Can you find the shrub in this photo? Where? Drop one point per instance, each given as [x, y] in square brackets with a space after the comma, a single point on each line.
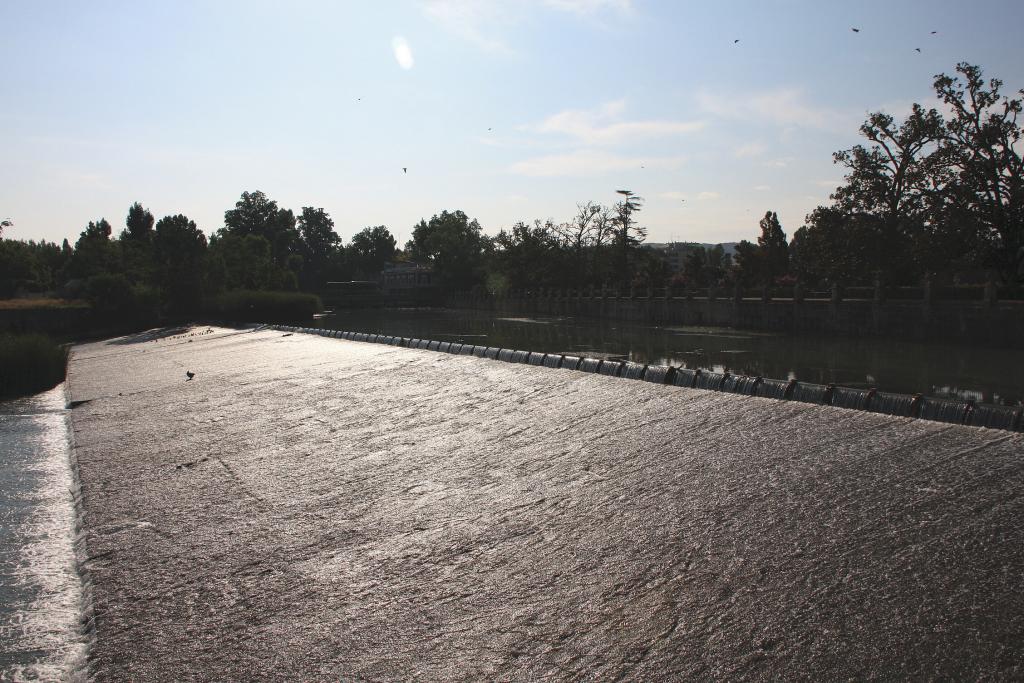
[30, 363]
[116, 301]
[242, 305]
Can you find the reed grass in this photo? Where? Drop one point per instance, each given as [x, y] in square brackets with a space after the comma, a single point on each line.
[30, 363]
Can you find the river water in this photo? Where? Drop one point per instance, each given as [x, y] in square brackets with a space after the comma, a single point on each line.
[984, 375]
[40, 589]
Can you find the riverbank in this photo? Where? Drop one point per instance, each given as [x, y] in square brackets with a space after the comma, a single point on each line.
[318, 508]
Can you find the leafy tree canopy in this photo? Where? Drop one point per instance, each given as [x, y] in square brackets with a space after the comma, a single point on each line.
[256, 214]
[454, 244]
[138, 224]
[370, 249]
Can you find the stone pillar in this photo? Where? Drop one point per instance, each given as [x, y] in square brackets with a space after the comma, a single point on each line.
[766, 293]
[737, 292]
[712, 293]
[632, 292]
[879, 289]
[926, 294]
[798, 292]
[837, 293]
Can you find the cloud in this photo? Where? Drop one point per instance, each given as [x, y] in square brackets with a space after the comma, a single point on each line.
[762, 188]
[753, 149]
[403, 53]
[828, 184]
[588, 163]
[589, 7]
[597, 127]
[700, 196]
[471, 20]
[781, 162]
[482, 22]
[787, 107]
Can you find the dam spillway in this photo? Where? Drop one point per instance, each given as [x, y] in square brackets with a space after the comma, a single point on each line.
[313, 508]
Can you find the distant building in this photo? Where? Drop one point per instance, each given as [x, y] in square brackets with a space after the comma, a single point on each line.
[351, 294]
[403, 277]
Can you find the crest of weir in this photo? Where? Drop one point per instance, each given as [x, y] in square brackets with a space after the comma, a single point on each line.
[892, 404]
[938, 409]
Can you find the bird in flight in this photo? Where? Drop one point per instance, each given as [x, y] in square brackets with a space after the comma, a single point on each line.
[855, 30]
[917, 49]
[405, 170]
[934, 32]
[735, 41]
[190, 375]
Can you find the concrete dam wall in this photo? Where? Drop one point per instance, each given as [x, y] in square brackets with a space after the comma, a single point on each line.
[306, 508]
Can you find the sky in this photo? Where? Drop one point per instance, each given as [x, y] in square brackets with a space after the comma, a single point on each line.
[513, 110]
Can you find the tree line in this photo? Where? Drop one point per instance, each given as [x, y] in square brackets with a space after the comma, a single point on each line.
[169, 264]
[930, 195]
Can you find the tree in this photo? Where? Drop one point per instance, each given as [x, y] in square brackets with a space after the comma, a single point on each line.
[243, 262]
[749, 264]
[774, 257]
[96, 230]
[255, 214]
[319, 241]
[136, 242]
[581, 240]
[179, 250]
[454, 245]
[526, 256]
[834, 246]
[627, 234]
[5, 223]
[980, 145]
[703, 267]
[895, 180]
[27, 266]
[370, 249]
[138, 224]
[94, 252]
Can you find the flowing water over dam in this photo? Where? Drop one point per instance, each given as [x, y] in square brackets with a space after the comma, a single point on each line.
[40, 590]
[318, 508]
[979, 374]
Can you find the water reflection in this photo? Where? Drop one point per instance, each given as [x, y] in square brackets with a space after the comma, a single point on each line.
[989, 375]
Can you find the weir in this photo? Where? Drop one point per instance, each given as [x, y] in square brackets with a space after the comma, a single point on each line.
[316, 508]
[902, 405]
